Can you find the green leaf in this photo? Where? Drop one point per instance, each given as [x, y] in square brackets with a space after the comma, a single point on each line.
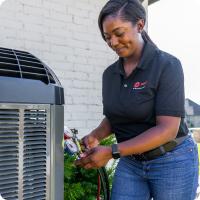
[80, 183]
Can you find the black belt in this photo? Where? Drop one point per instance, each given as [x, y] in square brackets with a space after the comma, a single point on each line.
[159, 151]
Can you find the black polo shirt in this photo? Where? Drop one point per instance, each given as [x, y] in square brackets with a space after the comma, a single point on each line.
[155, 88]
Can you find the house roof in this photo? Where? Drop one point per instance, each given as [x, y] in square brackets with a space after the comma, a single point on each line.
[195, 107]
[150, 1]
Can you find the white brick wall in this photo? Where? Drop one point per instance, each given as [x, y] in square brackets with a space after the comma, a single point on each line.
[64, 34]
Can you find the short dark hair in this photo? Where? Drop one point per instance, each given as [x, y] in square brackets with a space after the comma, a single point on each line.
[128, 10]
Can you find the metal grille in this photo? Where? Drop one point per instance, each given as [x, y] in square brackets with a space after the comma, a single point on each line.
[24, 151]
[9, 153]
[34, 181]
[21, 64]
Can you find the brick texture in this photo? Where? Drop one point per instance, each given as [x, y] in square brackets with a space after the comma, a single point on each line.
[65, 35]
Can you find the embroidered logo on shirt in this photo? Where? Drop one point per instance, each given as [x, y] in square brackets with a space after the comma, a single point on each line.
[139, 85]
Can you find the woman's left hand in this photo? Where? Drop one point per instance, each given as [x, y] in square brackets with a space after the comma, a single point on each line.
[95, 158]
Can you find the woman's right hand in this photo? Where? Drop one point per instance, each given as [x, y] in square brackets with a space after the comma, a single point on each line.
[90, 141]
[93, 139]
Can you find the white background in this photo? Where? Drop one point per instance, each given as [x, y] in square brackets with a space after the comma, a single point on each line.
[174, 25]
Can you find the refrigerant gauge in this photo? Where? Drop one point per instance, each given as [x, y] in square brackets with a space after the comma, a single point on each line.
[70, 147]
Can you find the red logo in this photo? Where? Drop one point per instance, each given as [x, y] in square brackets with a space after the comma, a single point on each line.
[139, 85]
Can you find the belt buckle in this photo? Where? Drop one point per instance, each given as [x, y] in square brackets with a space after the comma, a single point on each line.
[143, 157]
[140, 157]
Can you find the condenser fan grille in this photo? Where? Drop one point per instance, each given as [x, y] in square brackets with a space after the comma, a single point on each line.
[21, 64]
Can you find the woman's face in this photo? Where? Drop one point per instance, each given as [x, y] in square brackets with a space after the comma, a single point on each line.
[122, 36]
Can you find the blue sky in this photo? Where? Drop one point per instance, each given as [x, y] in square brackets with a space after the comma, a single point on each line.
[174, 25]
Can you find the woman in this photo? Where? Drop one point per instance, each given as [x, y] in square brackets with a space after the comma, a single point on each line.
[143, 101]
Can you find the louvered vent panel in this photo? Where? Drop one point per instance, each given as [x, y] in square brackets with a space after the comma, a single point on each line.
[9, 153]
[35, 158]
[22, 64]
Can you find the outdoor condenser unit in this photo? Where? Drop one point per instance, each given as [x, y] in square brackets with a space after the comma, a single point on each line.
[31, 129]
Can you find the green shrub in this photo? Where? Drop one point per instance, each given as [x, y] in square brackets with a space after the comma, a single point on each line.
[81, 184]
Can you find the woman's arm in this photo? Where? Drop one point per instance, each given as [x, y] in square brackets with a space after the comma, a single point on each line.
[165, 130]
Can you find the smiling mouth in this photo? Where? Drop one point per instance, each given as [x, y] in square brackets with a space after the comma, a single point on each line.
[119, 50]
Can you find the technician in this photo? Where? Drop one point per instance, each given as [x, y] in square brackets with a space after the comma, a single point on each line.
[143, 103]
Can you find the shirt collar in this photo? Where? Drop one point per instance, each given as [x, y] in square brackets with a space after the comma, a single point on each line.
[148, 53]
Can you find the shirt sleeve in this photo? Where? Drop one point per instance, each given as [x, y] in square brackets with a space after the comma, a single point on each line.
[170, 97]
